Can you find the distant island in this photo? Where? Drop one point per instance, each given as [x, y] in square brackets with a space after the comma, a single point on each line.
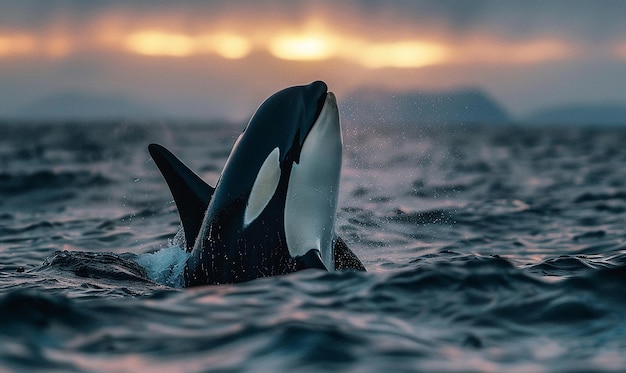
[364, 106]
[377, 105]
[580, 114]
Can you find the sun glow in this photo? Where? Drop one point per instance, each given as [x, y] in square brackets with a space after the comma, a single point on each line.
[11, 45]
[230, 46]
[301, 47]
[407, 54]
[157, 43]
[314, 42]
[319, 46]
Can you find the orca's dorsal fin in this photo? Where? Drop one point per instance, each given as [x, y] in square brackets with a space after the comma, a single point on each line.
[191, 194]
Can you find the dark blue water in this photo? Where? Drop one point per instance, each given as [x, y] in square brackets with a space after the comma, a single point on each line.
[487, 249]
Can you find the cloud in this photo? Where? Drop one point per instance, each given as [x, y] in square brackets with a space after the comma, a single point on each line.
[220, 58]
[583, 20]
[376, 34]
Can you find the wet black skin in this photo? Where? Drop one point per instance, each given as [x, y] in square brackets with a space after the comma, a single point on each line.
[227, 251]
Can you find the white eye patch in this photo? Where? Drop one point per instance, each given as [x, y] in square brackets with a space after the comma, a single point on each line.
[264, 187]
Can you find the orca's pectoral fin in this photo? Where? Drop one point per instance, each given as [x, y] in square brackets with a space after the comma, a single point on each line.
[312, 259]
[191, 194]
[345, 258]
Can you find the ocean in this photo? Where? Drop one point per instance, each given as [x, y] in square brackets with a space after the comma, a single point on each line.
[488, 249]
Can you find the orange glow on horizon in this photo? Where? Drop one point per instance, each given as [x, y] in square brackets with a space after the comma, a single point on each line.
[492, 51]
[12, 45]
[58, 47]
[15, 45]
[405, 54]
[158, 43]
[312, 46]
[316, 42]
[301, 48]
[321, 46]
[620, 50]
[230, 46]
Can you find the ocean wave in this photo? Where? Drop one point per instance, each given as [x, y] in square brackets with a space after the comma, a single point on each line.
[16, 183]
[487, 249]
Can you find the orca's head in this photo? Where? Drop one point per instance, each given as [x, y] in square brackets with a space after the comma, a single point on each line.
[288, 161]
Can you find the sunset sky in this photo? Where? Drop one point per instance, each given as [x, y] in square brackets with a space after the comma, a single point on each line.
[220, 59]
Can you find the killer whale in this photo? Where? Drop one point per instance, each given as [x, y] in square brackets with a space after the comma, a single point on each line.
[273, 208]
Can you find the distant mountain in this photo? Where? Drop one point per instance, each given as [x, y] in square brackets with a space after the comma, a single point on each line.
[82, 105]
[580, 114]
[376, 105]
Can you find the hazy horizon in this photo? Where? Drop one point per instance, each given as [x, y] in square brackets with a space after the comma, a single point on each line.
[220, 59]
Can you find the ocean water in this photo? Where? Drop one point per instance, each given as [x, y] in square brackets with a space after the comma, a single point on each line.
[488, 248]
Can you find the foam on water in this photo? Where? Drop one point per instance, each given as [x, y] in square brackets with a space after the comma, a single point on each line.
[166, 266]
